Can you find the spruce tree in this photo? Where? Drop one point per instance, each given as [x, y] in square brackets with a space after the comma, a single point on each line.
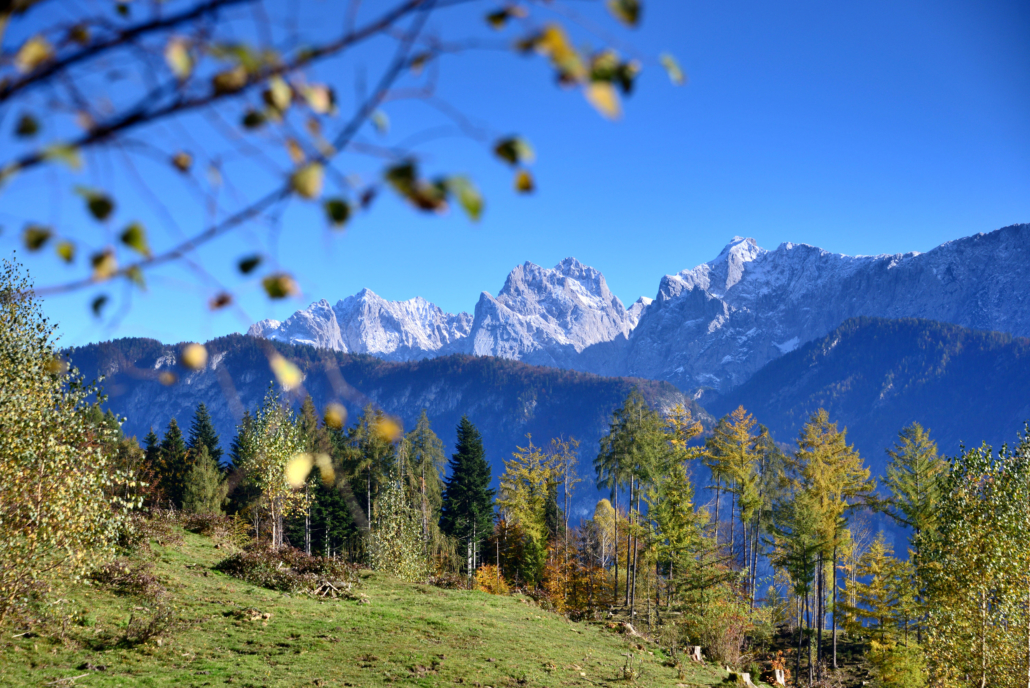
[174, 464]
[152, 449]
[205, 488]
[202, 431]
[467, 513]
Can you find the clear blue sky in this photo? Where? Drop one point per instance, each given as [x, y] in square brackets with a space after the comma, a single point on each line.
[863, 128]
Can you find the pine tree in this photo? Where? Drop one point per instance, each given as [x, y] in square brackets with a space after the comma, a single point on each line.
[467, 510]
[174, 464]
[205, 487]
[202, 431]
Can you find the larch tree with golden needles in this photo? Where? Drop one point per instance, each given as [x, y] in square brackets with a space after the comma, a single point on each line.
[56, 511]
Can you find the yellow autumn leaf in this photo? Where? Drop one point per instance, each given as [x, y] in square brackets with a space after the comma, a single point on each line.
[297, 469]
[335, 416]
[193, 356]
[167, 378]
[104, 265]
[33, 53]
[602, 95]
[325, 467]
[288, 375]
[388, 429]
[307, 181]
[524, 182]
[177, 55]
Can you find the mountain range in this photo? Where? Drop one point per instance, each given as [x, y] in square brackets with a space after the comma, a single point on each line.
[875, 376]
[710, 327]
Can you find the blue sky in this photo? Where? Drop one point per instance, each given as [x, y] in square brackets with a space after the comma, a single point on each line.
[863, 128]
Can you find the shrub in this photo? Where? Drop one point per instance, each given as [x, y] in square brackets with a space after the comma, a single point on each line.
[489, 579]
[898, 666]
[286, 569]
[126, 578]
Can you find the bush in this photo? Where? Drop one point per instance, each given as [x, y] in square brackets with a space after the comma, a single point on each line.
[898, 666]
[286, 569]
[126, 578]
[490, 580]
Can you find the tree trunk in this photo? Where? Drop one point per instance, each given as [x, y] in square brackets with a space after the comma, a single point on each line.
[800, 619]
[820, 595]
[808, 639]
[307, 520]
[718, 500]
[834, 579]
[615, 586]
[629, 539]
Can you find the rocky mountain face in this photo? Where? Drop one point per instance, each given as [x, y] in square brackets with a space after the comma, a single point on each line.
[716, 325]
[506, 399]
[366, 323]
[712, 326]
[875, 376]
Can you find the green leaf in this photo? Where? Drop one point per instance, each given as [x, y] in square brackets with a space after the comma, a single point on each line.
[676, 75]
[104, 265]
[402, 176]
[280, 285]
[380, 121]
[229, 81]
[63, 152]
[177, 55]
[66, 250]
[468, 196]
[135, 237]
[27, 126]
[135, 276]
[98, 304]
[248, 264]
[514, 150]
[35, 236]
[307, 181]
[99, 204]
[338, 211]
[253, 119]
[626, 11]
[498, 20]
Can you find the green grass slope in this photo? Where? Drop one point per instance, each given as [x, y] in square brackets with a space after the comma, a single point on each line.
[405, 634]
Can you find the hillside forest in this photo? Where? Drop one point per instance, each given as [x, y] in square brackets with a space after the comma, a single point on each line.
[717, 546]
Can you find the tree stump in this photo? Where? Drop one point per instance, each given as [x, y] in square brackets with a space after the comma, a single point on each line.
[695, 653]
[779, 677]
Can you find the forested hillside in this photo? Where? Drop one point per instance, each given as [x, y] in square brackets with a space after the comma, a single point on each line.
[505, 399]
[875, 376]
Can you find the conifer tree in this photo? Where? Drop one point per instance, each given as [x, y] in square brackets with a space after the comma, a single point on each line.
[876, 591]
[913, 477]
[467, 510]
[174, 464]
[202, 431]
[205, 487]
[426, 462]
[152, 449]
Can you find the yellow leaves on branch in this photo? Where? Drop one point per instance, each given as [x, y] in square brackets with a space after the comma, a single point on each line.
[177, 55]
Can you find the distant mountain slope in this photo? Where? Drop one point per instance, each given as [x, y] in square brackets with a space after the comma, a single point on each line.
[712, 326]
[506, 399]
[876, 376]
